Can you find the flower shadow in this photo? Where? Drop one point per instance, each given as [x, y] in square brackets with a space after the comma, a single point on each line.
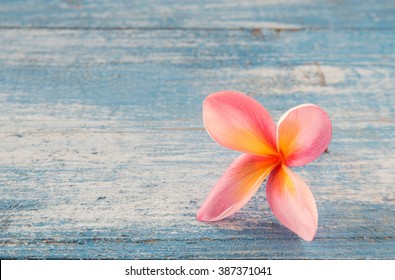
[251, 226]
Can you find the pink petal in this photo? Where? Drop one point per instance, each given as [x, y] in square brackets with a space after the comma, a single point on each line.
[239, 122]
[236, 186]
[292, 202]
[303, 134]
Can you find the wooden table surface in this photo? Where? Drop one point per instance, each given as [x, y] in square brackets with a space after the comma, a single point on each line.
[103, 153]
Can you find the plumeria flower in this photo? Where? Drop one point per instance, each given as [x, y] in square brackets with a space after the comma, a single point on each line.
[238, 122]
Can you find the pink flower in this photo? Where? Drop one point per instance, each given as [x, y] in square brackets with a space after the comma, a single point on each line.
[238, 122]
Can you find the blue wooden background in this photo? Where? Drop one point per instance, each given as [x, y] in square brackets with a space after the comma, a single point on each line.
[103, 154]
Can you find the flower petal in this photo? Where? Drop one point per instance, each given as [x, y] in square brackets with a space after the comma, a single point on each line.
[292, 202]
[239, 122]
[236, 186]
[303, 134]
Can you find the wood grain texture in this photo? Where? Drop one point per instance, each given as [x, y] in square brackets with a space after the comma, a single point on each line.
[190, 14]
[103, 154]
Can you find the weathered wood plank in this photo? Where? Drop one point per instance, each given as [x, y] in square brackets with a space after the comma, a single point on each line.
[103, 152]
[197, 14]
[200, 49]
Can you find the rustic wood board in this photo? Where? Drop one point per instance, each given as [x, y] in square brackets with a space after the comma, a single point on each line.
[103, 154]
[191, 14]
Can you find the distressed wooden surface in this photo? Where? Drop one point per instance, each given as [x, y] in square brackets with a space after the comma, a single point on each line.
[103, 154]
